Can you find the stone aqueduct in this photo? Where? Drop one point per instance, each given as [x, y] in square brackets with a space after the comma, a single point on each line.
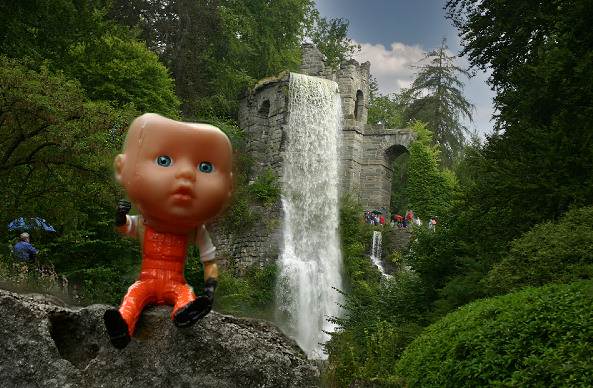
[367, 151]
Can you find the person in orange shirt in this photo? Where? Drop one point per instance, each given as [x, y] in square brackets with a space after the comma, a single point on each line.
[178, 176]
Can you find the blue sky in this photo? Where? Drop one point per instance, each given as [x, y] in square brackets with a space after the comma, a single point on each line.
[395, 34]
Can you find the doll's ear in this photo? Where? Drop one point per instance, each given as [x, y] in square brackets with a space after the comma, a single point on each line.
[120, 161]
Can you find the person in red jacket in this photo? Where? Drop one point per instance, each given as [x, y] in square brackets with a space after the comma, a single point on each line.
[178, 176]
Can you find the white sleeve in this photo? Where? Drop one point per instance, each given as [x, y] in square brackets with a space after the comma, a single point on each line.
[132, 228]
[207, 249]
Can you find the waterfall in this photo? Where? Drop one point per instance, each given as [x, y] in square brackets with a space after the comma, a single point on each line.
[377, 251]
[310, 263]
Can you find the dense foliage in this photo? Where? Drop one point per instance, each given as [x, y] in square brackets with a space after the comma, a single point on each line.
[123, 71]
[56, 147]
[518, 219]
[540, 162]
[48, 29]
[330, 37]
[55, 157]
[386, 110]
[216, 48]
[549, 253]
[536, 337]
[428, 189]
[379, 319]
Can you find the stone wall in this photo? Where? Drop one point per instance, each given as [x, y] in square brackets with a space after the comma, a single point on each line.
[257, 247]
[263, 116]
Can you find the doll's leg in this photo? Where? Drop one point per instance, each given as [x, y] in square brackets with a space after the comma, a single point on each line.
[117, 328]
[182, 295]
[120, 323]
[139, 295]
[189, 309]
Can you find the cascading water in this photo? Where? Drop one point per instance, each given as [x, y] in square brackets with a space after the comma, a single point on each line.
[310, 264]
[377, 251]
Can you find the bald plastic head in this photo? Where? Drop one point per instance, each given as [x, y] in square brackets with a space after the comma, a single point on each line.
[175, 172]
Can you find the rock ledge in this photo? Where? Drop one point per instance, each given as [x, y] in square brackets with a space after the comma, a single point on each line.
[46, 343]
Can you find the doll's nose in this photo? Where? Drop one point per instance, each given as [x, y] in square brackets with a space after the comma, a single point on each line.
[186, 172]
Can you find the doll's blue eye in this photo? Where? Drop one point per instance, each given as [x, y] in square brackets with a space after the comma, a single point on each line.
[206, 167]
[164, 161]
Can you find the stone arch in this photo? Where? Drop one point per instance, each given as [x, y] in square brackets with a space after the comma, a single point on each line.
[392, 152]
[381, 147]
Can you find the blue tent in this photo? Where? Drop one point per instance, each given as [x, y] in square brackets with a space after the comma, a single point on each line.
[31, 223]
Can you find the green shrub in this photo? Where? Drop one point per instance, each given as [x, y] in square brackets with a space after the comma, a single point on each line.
[369, 356]
[265, 188]
[250, 295]
[240, 216]
[535, 337]
[549, 253]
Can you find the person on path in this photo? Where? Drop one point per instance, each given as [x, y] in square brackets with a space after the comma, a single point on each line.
[24, 250]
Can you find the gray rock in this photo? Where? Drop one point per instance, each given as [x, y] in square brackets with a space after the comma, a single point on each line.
[46, 343]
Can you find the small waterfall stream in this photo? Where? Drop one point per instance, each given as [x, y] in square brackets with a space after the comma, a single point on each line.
[377, 251]
[310, 263]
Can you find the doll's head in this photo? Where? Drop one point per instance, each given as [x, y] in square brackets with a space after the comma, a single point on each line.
[177, 174]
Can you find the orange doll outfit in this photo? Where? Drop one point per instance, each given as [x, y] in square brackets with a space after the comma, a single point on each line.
[161, 279]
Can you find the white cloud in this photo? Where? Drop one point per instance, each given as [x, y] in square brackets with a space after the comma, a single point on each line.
[391, 67]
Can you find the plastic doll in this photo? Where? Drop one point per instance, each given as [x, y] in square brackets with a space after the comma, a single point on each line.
[178, 176]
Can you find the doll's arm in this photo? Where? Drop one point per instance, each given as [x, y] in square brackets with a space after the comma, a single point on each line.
[199, 308]
[127, 225]
[211, 276]
[208, 256]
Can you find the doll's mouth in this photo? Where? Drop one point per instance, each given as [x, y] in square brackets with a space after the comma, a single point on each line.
[183, 194]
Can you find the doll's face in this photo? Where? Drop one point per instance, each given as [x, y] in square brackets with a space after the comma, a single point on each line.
[178, 175]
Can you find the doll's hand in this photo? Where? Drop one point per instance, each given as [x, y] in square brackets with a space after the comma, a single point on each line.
[198, 309]
[123, 208]
[209, 287]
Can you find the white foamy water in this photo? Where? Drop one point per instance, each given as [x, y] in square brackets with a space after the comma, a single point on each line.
[377, 252]
[310, 264]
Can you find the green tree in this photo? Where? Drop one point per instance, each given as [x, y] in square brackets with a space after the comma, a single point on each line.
[330, 37]
[436, 97]
[47, 29]
[539, 163]
[107, 60]
[428, 189]
[56, 148]
[56, 151]
[387, 110]
[182, 33]
[216, 48]
[123, 71]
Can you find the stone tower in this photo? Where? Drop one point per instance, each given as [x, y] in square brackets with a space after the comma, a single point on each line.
[367, 152]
